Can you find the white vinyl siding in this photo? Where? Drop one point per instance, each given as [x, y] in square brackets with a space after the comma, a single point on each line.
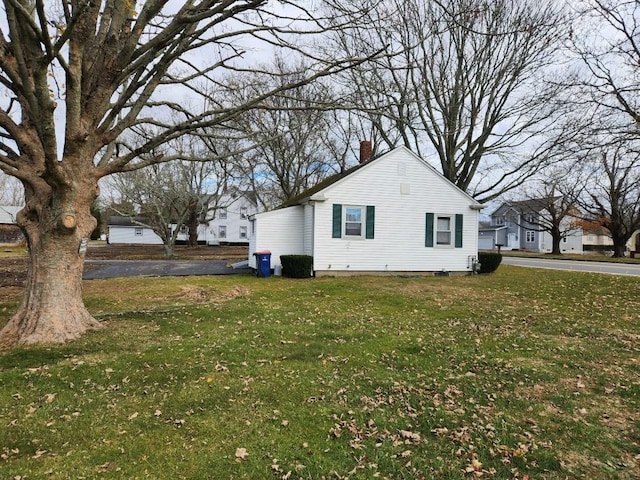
[307, 234]
[280, 232]
[127, 234]
[399, 243]
[237, 210]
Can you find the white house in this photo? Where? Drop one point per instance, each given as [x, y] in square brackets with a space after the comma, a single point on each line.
[230, 224]
[391, 214]
[9, 231]
[131, 230]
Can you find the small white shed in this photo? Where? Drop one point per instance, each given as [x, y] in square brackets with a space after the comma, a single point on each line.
[391, 214]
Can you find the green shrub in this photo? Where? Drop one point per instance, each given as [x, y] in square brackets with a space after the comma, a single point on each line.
[489, 261]
[296, 266]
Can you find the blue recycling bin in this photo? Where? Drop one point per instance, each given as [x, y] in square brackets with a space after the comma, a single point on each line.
[263, 263]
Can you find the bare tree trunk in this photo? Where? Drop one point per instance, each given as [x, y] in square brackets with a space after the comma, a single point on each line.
[168, 249]
[556, 237]
[192, 224]
[52, 309]
[619, 248]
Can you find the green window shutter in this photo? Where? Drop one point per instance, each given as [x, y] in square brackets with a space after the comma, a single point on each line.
[459, 230]
[371, 221]
[428, 239]
[337, 220]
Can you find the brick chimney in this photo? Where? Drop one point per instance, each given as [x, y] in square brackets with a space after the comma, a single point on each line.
[365, 151]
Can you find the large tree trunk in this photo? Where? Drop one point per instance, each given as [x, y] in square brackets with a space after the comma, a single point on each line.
[52, 310]
[556, 237]
[619, 249]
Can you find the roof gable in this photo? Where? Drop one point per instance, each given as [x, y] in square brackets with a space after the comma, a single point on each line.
[342, 176]
[134, 221]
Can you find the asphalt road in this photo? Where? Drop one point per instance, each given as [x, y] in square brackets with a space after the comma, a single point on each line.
[157, 268]
[575, 265]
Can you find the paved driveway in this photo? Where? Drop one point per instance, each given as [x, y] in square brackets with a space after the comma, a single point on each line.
[157, 268]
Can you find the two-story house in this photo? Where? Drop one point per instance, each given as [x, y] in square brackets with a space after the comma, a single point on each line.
[226, 222]
[523, 225]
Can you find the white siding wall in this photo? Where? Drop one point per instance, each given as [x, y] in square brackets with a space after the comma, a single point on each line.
[127, 234]
[233, 222]
[399, 243]
[280, 232]
[572, 245]
[308, 230]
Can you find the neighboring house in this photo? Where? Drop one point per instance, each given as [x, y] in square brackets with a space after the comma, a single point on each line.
[230, 224]
[391, 214]
[596, 238]
[516, 226]
[131, 230]
[9, 231]
[491, 237]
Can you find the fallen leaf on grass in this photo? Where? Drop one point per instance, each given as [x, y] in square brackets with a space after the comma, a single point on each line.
[39, 453]
[407, 435]
[241, 453]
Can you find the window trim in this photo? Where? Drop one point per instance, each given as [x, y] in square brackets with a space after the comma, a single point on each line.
[456, 230]
[367, 221]
[245, 236]
[530, 236]
[221, 229]
[363, 216]
[222, 214]
[436, 230]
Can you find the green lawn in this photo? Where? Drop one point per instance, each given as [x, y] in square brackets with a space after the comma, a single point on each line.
[517, 374]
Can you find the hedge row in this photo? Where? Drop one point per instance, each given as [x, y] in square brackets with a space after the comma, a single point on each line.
[489, 261]
[296, 266]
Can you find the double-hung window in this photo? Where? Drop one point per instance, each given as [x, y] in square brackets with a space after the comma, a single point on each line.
[443, 230]
[353, 221]
[530, 236]
[222, 231]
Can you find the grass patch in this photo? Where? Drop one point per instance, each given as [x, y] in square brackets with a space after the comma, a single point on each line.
[518, 373]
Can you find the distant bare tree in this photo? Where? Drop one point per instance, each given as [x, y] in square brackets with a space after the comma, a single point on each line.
[613, 196]
[172, 197]
[11, 192]
[291, 142]
[608, 42]
[463, 80]
[552, 205]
